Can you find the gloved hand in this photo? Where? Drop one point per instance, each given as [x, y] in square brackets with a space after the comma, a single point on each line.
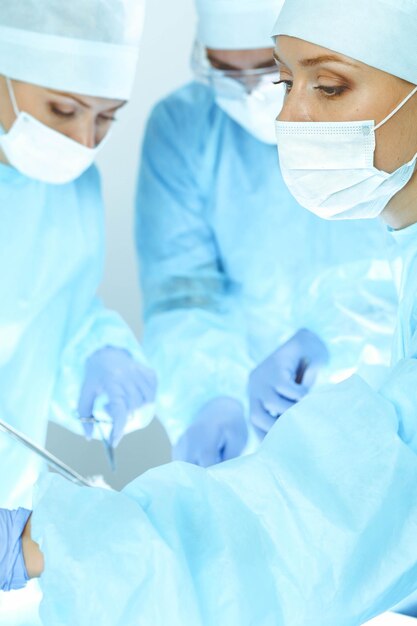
[13, 574]
[218, 434]
[285, 377]
[127, 384]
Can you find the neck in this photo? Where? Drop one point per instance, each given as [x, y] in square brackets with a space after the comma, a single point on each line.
[401, 212]
[3, 158]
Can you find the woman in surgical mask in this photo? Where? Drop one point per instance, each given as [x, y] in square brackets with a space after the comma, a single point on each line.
[216, 305]
[319, 526]
[63, 78]
[348, 143]
[49, 135]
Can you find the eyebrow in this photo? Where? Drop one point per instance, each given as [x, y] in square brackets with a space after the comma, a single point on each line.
[227, 67]
[118, 106]
[82, 103]
[313, 62]
[71, 97]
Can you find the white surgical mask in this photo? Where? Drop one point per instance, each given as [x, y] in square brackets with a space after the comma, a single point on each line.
[257, 111]
[39, 152]
[329, 167]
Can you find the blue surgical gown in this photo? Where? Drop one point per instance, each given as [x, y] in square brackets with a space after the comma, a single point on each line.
[231, 266]
[51, 260]
[317, 528]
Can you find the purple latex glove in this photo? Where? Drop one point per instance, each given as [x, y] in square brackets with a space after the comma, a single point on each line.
[285, 377]
[218, 434]
[127, 384]
[13, 574]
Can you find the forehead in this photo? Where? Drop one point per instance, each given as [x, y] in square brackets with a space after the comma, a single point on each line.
[293, 51]
[91, 102]
[241, 59]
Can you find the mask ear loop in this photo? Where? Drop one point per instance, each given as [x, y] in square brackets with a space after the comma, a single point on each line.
[12, 96]
[398, 108]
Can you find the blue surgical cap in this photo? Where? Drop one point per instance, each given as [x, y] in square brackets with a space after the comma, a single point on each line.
[83, 46]
[380, 33]
[236, 24]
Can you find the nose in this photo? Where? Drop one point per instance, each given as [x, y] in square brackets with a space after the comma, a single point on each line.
[289, 110]
[85, 134]
[250, 84]
[296, 108]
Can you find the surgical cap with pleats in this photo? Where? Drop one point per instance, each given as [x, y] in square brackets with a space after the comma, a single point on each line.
[84, 46]
[380, 33]
[236, 24]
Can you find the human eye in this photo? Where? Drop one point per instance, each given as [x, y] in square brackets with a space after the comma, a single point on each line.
[331, 91]
[288, 84]
[107, 118]
[62, 110]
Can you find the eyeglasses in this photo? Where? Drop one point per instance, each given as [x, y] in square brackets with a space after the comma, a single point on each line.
[230, 83]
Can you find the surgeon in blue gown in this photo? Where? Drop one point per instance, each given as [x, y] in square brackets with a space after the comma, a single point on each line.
[60, 348]
[319, 525]
[232, 267]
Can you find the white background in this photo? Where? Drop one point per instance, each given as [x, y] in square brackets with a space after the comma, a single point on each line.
[163, 66]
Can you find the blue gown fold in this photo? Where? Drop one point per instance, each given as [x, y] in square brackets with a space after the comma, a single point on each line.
[318, 527]
[51, 260]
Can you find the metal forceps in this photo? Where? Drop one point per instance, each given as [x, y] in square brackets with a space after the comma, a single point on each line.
[301, 370]
[107, 445]
[46, 456]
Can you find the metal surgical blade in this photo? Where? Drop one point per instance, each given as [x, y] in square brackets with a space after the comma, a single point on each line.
[46, 456]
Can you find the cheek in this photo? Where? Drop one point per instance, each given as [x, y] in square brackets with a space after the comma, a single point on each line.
[7, 115]
[65, 127]
[43, 113]
[396, 144]
[32, 102]
[102, 131]
[409, 136]
[387, 152]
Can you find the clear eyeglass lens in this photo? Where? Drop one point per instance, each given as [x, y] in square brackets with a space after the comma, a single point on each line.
[230, 83]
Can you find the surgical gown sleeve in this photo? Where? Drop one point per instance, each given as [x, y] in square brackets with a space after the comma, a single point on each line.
[318, 527]
[353, 306]
[89, 324]
[195, 332]
[102, 327]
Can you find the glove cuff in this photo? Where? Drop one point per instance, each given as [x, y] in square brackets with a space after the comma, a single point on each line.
[16, 573]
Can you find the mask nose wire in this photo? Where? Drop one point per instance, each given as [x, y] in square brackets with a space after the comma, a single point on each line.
[12, 96]
[398, 108]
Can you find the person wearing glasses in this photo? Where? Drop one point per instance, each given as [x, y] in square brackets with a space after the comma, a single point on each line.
[234, 272]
